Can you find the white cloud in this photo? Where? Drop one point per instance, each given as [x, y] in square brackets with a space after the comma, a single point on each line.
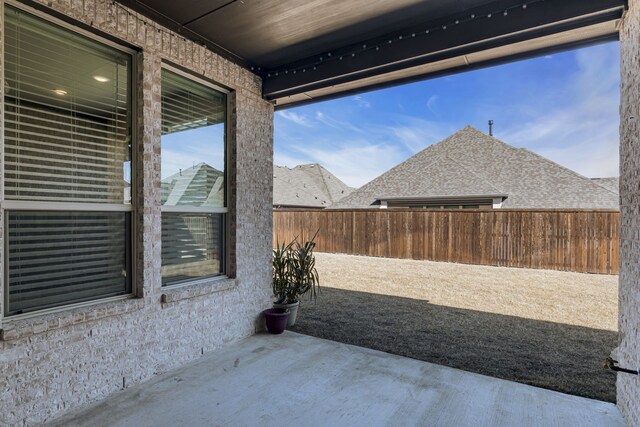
[358, 155]
[356, 162]
[416, 134]
[358, 159]
[412, 138]
[431, 104]
[595, 162]
[581, 130]
[359, 99]
[336, 124]
[299, 119]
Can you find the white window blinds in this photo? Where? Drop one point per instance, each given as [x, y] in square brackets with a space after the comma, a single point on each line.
[66, 140]
[58, 258]
[191, 246]
[66, 115]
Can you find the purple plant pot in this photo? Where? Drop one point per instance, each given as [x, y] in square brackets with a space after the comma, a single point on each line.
[276, 319]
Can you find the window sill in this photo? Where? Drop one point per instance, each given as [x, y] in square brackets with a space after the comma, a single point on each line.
[196, 289]
[27, 325]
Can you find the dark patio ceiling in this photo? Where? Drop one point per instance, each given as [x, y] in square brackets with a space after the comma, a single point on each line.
[313, 49]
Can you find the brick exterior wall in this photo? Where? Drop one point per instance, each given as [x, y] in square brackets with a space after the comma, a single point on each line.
[50, 364]
[629, 350]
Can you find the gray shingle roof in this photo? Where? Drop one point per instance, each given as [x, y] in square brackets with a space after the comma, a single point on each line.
[470, 162]
[611, 183]
[195, 186]
[308, 185]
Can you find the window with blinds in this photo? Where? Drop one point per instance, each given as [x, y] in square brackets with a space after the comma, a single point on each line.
[191, 246]
[193, 178]
[58, 258]
[66, 140]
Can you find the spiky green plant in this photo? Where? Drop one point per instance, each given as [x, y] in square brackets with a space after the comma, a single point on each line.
[294, 271]
[281, 269]
[303, 271]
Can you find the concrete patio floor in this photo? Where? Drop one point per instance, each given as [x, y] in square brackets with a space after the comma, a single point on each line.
[294, 379]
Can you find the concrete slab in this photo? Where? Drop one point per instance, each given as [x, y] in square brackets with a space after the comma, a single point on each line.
[294, 379]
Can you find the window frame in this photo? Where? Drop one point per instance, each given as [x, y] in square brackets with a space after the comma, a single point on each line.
[225, 261]
[37, 205]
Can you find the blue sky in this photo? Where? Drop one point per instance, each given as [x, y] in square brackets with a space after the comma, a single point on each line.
[562, 106]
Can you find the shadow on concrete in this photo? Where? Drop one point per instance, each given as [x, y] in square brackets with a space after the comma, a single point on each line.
[555, 356]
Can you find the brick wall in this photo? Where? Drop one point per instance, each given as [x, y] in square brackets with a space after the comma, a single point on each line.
[52, 363]
[629, 349]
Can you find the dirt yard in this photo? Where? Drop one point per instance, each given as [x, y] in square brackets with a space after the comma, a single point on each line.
[545, 328]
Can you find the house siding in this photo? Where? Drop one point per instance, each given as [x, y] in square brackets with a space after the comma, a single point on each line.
[628, 386]
[53, 363]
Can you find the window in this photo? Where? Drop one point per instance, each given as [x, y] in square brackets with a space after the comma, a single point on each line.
[67, 166]
[439, 203]
[193, 178]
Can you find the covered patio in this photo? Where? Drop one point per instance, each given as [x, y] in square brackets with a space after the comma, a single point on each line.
[152, 345]
[296, 379]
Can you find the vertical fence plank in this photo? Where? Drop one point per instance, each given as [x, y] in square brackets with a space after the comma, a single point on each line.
[416, 219]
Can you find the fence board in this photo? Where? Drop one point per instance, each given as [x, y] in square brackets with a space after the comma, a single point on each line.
[568, 240]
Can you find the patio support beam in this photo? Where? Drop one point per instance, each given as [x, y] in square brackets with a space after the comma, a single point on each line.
[628, 351]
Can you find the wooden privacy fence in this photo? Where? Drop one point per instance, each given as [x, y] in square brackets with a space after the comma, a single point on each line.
[569, 240]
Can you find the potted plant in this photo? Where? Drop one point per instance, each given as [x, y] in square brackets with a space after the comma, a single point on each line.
[294, 275]
[276, 319]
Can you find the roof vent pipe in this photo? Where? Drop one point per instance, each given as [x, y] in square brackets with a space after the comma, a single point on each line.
[490, 127]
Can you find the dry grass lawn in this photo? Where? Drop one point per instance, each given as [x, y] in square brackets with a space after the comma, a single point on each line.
[546, 328]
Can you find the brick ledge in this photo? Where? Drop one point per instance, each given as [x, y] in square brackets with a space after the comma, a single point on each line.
[197, 288]
[41, 323]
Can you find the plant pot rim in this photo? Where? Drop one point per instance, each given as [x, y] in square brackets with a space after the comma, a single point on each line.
[274, 312]
[284, 304]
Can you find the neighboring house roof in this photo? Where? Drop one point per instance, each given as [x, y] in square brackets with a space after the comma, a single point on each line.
[472, 163]
[306, 186]
[611, 183]
[200, 185]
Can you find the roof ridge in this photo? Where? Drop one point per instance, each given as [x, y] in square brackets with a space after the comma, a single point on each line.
[598, 182]
[325, 186]
[412, 158]
[302, 165]
[546, 160]
[549, 161]
[586, 179]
